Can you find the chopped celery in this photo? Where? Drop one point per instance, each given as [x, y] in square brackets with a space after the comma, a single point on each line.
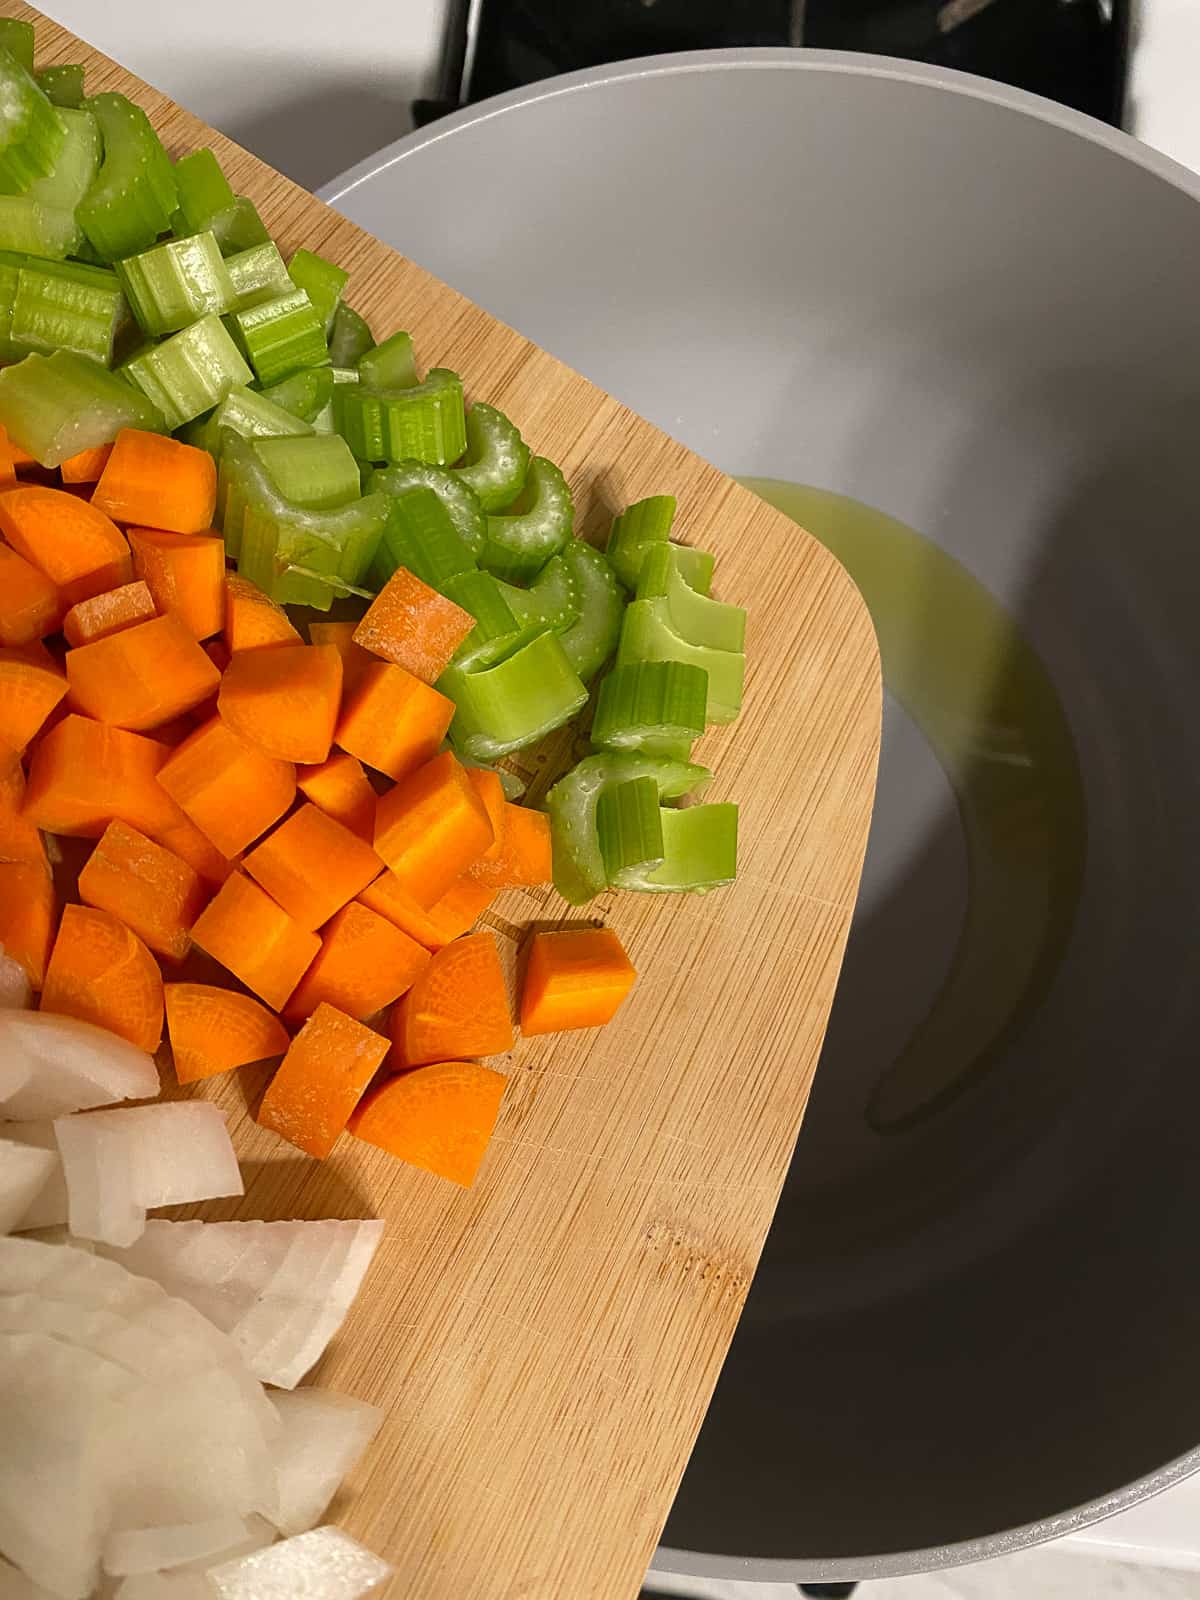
[172, 284]
[497, 458]
[249, 414]
[190, 371]
[461, 502]
[640, 525]
[699, 852]
[496, 632]
[62, 86]
[653, 706]
[699, 618]
[424, 422]
[390, 365]
[579, 872]
[133, 196]
[514, 702]
[55, 406]
[36, 230]
[551, 599]
[257, 274]
[420, 536]
[31, 131]
[305, 394]
[337, 587]
[10, 272]
[77, 165]
[629, 822]
[280, 336]
[239, 227]
[592, 639]
[314, 471]
[64, 305]
[520, 542]
[203, 189]
[17, 38]
[648, 634]
[322, 282]
[349, 338]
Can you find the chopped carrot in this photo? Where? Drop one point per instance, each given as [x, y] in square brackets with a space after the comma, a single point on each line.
[364, 963]
[101, 972]
[87, 465]
[576, 978]
[29, 692]
[12, 454]
[102, 614]
[214, 1030]
[523, 858]
[252, 619]
[355, 660]
[141, 676]
[457, 1007]
[431, 826]
[28, 912]
[331, 1061]
[256, 940]
[312, 865]
[158, 482]
[340, 788]
[231, 791]
[184, 839]
[413, 626]
[84, 774]
[147, 888]
[185, 572]
[455, 912]
[284, 700]
[30, 605]
[19, 837]
[490, 790]
[80, 550]
[392, 721]
[440, 1117]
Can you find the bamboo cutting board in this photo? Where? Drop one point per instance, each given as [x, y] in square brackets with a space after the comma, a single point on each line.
[546, 1344]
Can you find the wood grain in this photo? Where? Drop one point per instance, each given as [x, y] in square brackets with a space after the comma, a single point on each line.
[546, 1344]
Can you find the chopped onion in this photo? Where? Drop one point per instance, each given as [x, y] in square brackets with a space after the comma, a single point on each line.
[50, 1066]
[281, 1290]
[118, 1164]
[48, 1208]
[164, 1586]
[16, 992]
[324, 1436]
[325, 1564]
[14, 1585]
[155, 1549]
[24, 1171]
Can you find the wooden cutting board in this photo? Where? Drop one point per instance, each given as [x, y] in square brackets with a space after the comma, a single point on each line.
[546, 1344]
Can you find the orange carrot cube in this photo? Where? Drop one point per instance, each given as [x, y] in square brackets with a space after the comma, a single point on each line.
[457, 1007]
[79, 549]
[147, 888]
[214, 1030]
[331, 1061]
[413, 626]
[101, 972]
[575, 978]
[364, 963]
[28, 913]
[284, 700]
[355, 660]
[158, 482]
[252, 619]
[440, 1117]
[185, 572]
[87, 465]
[141, 676]
[312, 865]
[84, 774]
[110, 612]
[431, 827]
[30, 688]
[30, 605]
[256, 940]
[340, 788]
[231, 791]
[392, 721]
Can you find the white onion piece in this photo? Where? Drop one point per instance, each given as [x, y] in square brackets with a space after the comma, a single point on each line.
[281, 1290]
[325, 1564]
[50, 1066]
[24, 1172]
[14, 1585]
[140, 1550]
[16, 994]
[324, 1437]
[118, 1164]
[164, 1586]
[48, 1208]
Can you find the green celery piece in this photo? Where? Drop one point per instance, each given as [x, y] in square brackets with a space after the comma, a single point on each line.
[305, 394]
[420, 536]
[344, 374]
[653, 706]
[639, 526]
[62, 86]
[516, 701]
[314, 471]
[133, 196]
[175, 283]
[496, 632]
[579, 872]
[65, 305]
[204, 190]
[496, 460]
[699, 853]
[590, 641]
[552, 599]
[648, 634]
[280, 336]
[35, 229]
[249, 414]
[17, 38]
[460, 501]
[698, 617]
[257, 274]
[350, 337]
[390, 365]
[10, 271]
[190, 371]
[32, 133]
[77, 165]
[337, 587]
[55, 406]
[536, 527]
[423, 422]
[322, 281]
[629, 822]
[239, 227]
